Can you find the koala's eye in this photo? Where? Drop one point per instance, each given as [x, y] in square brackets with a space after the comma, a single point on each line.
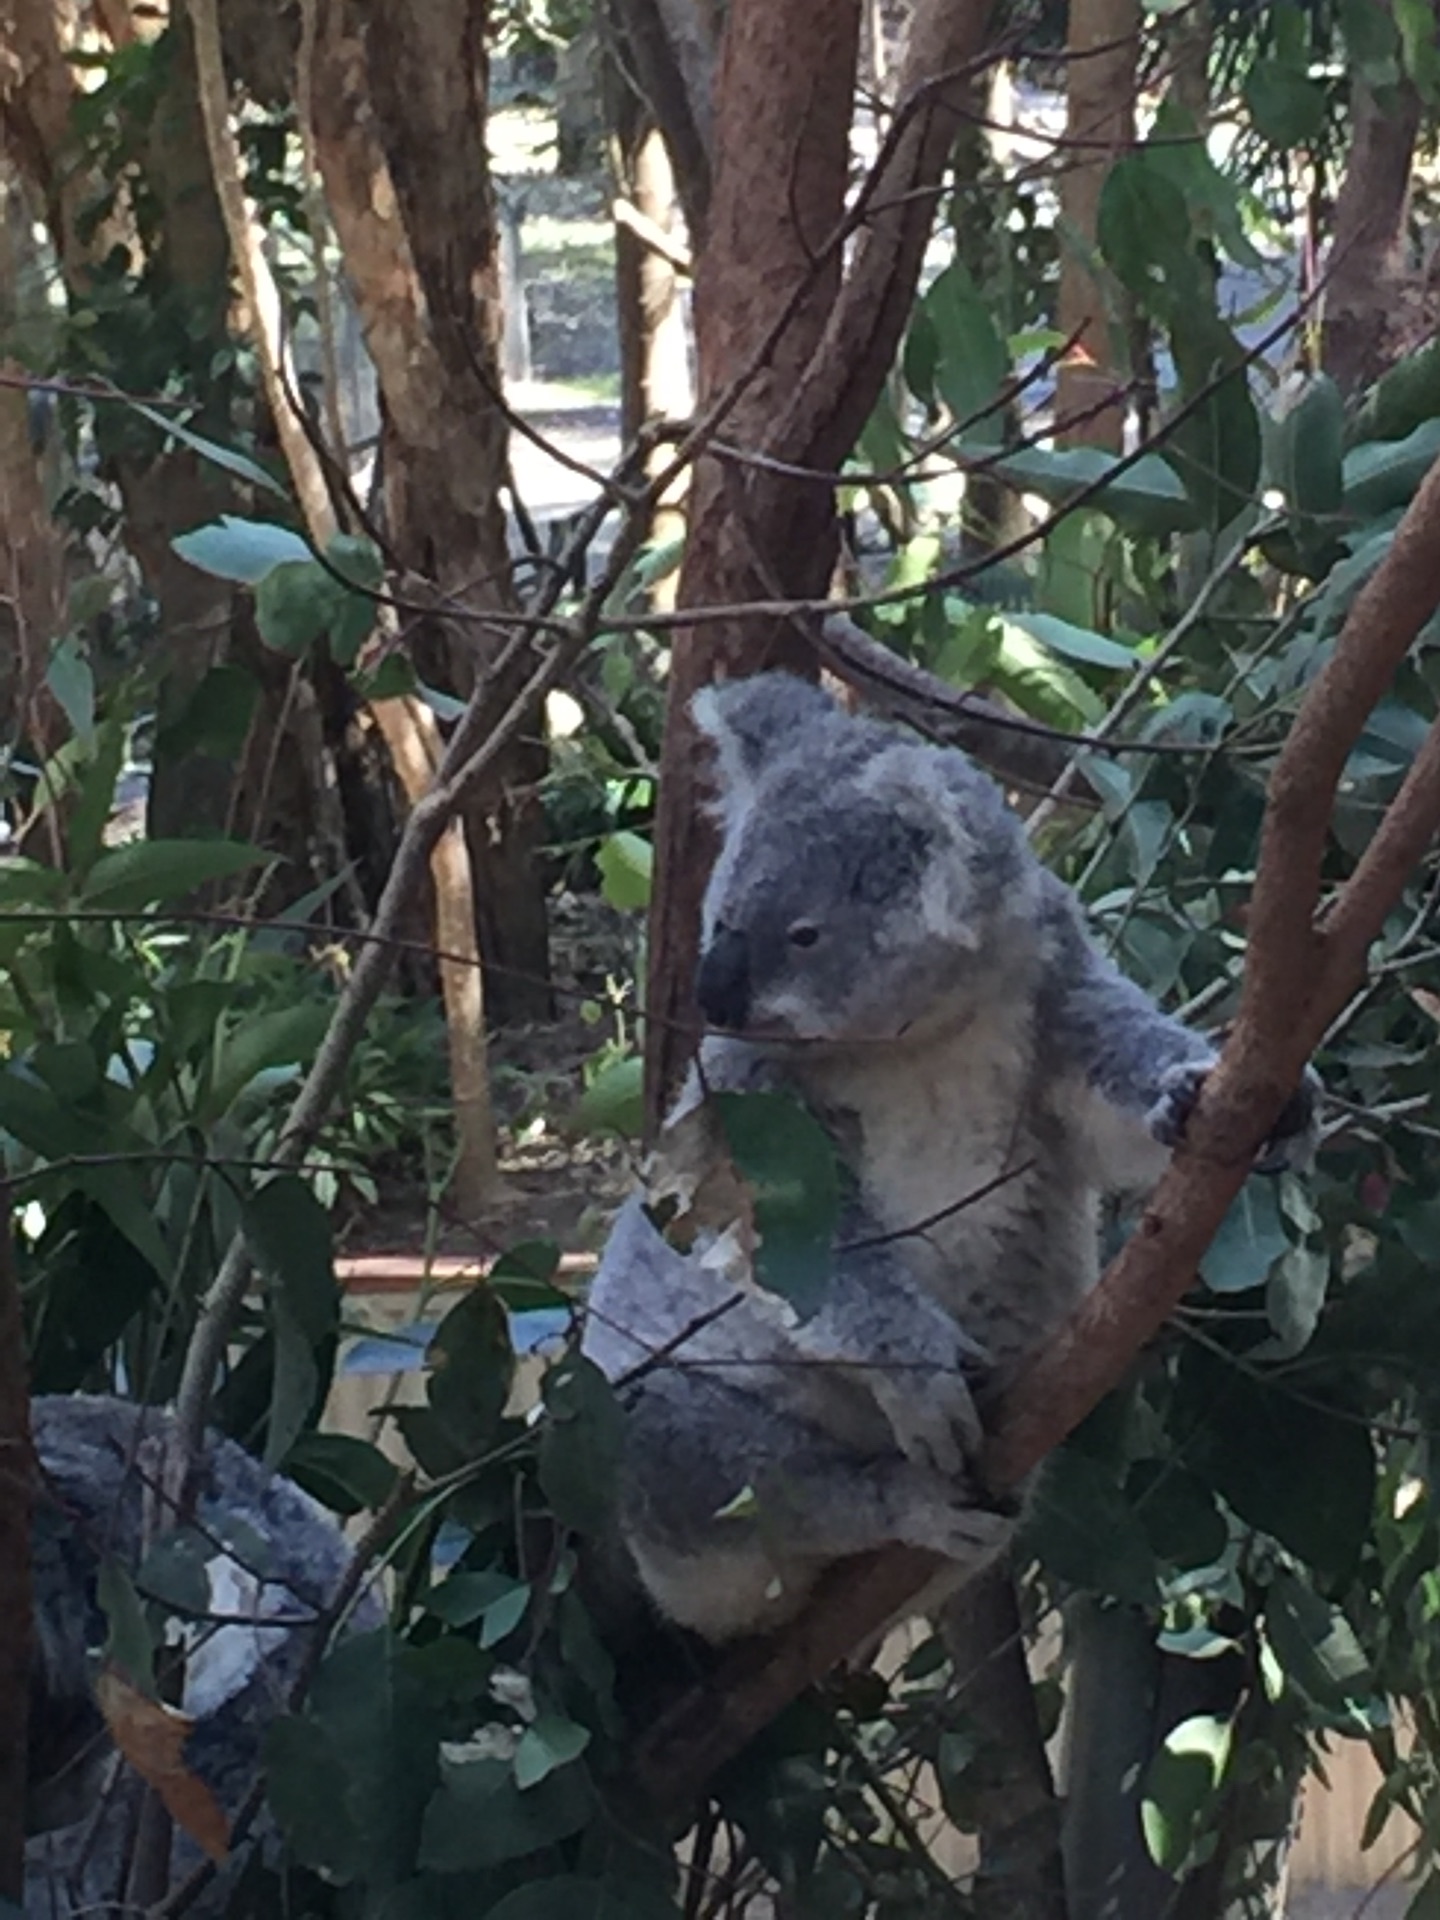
[803, 934]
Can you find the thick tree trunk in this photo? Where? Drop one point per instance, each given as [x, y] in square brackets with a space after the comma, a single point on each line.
[782, 147]
[1102, 47]
[400, 99]
[1374, 308]
[770, 256]
[1021, 1875]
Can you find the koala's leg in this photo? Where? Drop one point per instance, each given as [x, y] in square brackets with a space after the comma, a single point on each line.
[731, 1510]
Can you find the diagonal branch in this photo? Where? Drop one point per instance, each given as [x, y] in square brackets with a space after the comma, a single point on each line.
[1301, 967]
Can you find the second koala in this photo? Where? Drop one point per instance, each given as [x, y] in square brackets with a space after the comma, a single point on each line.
[879, 940]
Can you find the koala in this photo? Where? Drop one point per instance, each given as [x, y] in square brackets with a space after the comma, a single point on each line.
[879, 941]
[270, 1553]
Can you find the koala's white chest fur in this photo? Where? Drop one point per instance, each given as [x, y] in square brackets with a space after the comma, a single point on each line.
[957, 1149]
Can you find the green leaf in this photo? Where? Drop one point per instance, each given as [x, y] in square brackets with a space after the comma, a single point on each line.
[1145, 497]
[294, 606]
[547, 1743]
[215, 720]
[288, 1233]
[242, 550]
[1426, 1904]
[129, 1643]
[481, 1818]
[580, 1444]
[1286, 105]
[523, 1276]
[1293, 1469]
[1318, 1652]
[96, 797]
[257, 1044]
[70, 680]
[1216, 445]
[386, 1728]
[1384, 475]
[496, 1600]
[1178, 1512]
[344, 1473]
[1075, 643]
[305, 1786]
[1084, 1529]
[1406, 394]
[1251, 1239]
[218, 456]
[1144, 234]
[149, 873]
[1294, 1297]
[787, 1160]
[25, 883]
[614, 1101]
[1314, 480]
[568, 1897]
[626, 863]
[971, 360]
[471, 1368]
[1182, 1790]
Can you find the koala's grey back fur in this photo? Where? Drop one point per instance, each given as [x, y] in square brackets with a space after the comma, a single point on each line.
[879, 940]
[285, 1557]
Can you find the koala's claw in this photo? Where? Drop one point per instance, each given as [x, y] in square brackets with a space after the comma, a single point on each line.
[1179, 1090]
[1291, 1143]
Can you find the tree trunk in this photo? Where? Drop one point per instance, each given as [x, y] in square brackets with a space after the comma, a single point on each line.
[771, 256]
[400, 101]
[1102, 46]
[782, 148]
[654, 341]
[1021, 1875]
[670, 49]
[1374, 310]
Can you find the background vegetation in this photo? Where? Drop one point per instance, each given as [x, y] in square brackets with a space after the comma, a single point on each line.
[1087, 357]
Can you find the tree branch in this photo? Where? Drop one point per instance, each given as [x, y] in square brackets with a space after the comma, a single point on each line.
[1301, 967]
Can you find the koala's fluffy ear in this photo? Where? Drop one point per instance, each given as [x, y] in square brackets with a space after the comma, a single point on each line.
[752, 722]
[970, 833]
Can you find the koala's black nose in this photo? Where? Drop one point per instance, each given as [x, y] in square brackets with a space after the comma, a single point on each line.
[723, 984]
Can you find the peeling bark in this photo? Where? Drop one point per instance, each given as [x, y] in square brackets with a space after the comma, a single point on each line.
[400, 99]
[1102, 47]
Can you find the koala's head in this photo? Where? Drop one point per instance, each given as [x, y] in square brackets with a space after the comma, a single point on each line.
[864, 880]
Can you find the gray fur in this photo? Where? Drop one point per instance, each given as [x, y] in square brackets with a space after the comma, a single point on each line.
[879, 939]
[274, 1553]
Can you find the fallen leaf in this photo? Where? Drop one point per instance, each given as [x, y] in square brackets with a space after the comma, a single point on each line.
[152, 1737]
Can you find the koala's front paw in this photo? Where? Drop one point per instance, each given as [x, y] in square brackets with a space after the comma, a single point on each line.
[1296, 1133]
[1291, 1143]
[1179, 1090]
[935, 1424]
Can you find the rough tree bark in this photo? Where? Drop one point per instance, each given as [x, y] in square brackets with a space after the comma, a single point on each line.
[1017, 1815]
[798, 351]
[1101, 48]
[669, 51]
[400, 99]
[1375, 308]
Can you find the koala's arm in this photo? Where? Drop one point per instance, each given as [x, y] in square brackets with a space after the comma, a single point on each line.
[1128, 1073]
